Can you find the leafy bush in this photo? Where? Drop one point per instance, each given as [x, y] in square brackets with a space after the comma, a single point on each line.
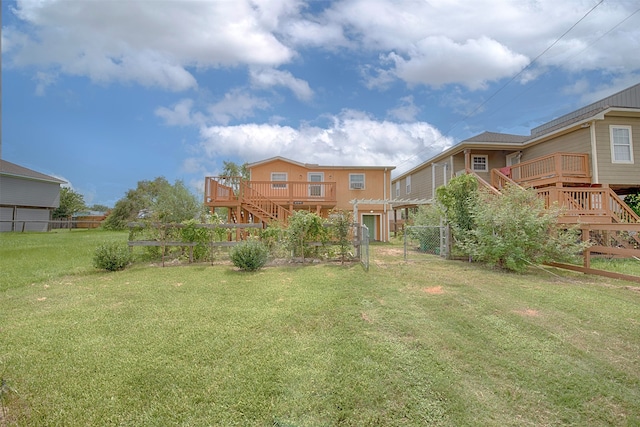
[305, 228]
[342, 223]
[458, 198]
[250, 255]
[515, 230]
[633, 200]
[112, 256]
[199, 235]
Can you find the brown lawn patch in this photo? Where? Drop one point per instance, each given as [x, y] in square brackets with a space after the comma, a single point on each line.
[434, 290]
[529, 312]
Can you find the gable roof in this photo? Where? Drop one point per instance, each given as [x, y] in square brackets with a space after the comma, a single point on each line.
[11, 169]
[627, 98]
[495, 137]
[314, 165]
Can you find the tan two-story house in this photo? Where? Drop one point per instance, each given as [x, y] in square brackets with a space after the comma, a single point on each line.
[585, 161]
[279, 186]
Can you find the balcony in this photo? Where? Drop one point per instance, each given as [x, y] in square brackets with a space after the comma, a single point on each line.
[233, 191]
[555, 169]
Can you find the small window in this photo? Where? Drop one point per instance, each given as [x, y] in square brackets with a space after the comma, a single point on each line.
[397, 189]
[409, 184]
[480, 163]
[278, 176]
[621, 144]
[356, 181]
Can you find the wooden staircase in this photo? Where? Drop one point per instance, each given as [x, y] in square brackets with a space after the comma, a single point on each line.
[564, 179]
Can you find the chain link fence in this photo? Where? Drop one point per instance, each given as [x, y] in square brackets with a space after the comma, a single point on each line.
[361, 242]
[422, 240]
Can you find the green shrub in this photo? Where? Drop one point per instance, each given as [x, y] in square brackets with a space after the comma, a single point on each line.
[250, 255]
[514, 231]
[112, 256]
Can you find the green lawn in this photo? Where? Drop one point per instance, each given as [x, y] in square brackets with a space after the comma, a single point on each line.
[422, 343]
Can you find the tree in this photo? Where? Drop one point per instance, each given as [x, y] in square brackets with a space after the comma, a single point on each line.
[175, 203]
[230, 168]
[98, 208]
[135, 201]
[155, 200]
[71, 202]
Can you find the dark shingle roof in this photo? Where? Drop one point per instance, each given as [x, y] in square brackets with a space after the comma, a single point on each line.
[8, 168]
[628, 98]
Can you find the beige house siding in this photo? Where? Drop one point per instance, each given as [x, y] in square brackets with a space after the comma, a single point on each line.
[617, 173]
[578, 141]
[421, 184]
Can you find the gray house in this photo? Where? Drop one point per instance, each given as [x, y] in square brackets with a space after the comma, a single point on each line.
[26, 198]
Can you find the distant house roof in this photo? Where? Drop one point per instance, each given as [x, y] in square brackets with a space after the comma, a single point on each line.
[11, 169]
[314, 165]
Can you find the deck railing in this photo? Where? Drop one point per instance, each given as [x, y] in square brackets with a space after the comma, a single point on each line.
[589, 201]
[557, 167]
[226, 189]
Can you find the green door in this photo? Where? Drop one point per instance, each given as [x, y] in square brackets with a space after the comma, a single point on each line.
[370, 222]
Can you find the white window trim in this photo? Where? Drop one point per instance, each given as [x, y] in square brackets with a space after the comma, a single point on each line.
[613, 158]
[279, 186]
[316, 189]
[473, 164]
[408, 183]
[351, 183]
[397, 189]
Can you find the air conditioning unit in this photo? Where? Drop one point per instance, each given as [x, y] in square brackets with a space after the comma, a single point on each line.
[357, 185]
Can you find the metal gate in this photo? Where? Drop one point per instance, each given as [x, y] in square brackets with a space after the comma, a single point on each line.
[362, 244]
[421, 240]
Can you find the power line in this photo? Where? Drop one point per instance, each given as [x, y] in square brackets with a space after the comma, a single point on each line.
[500, 89]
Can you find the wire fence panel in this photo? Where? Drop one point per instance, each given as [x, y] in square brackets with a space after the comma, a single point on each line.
[362, 240]
[424, 240]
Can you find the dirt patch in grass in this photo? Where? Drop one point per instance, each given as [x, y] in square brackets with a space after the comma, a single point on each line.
[433, 290]
[529, 312]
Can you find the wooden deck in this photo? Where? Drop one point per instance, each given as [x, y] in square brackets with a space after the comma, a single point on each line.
[563, 179]
[555, 169]
[267, 200]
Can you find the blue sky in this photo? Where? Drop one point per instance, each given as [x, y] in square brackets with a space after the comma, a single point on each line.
[104, 94]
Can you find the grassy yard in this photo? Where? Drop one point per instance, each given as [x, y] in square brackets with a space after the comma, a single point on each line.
[435, 342]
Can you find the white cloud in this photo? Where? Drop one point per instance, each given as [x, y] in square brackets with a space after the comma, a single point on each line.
[352, 138]
[180, 114]
[150, 43]
[236, 105]
[474, 42]
[406, 111]
[437, 61]
[165, 44]
[269, 77]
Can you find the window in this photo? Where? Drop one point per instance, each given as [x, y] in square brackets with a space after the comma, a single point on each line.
[480, 163]
[278, 176]
[356, 181]
[621, 144]
[397, 189]
[409, 184]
